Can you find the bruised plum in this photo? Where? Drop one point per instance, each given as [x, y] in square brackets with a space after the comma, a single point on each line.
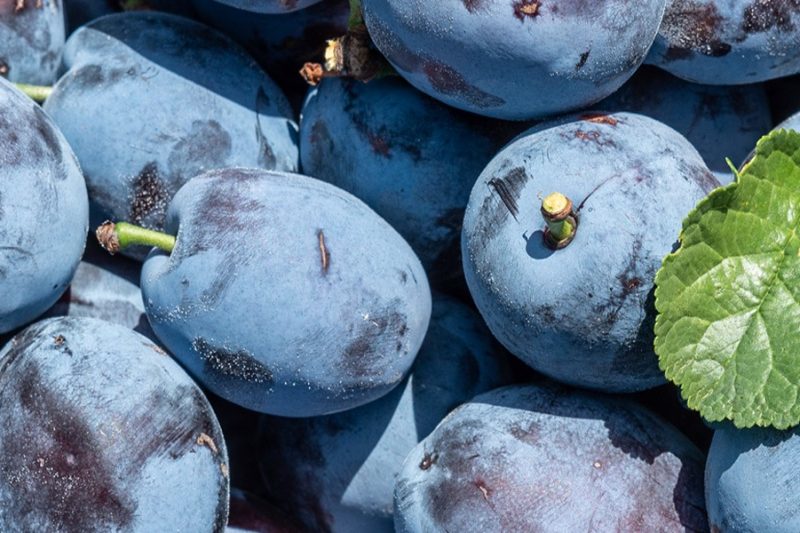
[32, 37]
[544, 458]
[284, 294]
[582, 314]
[514, 59]
[44, 211]
[753, 480]
[149, 100]
[99, 431]
[729, 42]
[337, 472]
[410, 158]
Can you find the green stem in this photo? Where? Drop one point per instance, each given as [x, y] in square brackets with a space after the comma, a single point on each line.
[118, 236]
[356, 18]
[562, 222]
[38, 93]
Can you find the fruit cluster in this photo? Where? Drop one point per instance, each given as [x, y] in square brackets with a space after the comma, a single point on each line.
[496, 269]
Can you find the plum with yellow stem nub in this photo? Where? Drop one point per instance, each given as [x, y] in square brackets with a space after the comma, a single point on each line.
[116, 236]
[562, 222]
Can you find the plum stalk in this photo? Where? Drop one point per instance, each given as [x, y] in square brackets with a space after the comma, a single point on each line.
[562, 222]
[37, 93]
[116, 236]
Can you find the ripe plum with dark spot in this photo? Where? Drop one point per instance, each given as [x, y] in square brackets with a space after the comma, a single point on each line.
[729, 42]
[149, 100]
[101, 432]
[284, 294]
[516, 60]
[545, 458]
[582, 314]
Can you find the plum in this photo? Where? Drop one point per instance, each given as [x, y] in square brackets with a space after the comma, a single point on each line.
[753, 480]
[720, 121]
[282, 293]
[44, 210]
[99, 431]
[582, 314]
[169, 98]
[728, 42]
[80, 12]
[337, 472]
[519, 59]
[546, 458]
[32, 37]
[105, 288]
[269, 6]
[406, 155]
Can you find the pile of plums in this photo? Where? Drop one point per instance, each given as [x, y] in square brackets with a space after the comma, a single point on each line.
[418, 302]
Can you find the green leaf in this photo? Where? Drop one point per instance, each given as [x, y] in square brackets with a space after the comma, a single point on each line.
[728, 300]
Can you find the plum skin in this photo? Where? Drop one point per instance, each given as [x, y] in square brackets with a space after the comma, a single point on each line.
[583, 314]
[284, 294]
[103, 431]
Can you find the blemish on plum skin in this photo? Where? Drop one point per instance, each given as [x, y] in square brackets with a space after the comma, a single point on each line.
[527, 9]
[325, 256]
[599, 118]
[205, 440]
[428, 461]
[481, 486]
[582, 61]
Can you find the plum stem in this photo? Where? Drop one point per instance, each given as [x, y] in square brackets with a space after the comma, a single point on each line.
[37, 93]
[562, 222]
[118, 236]
[356, 18]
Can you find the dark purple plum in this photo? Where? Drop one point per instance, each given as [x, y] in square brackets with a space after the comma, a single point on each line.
[514, 59]
[545, 458]
[337, 472]
[284, 294]
[729, 42]
[44, 211]
[410, 158]
[269, 6]
[721, 122]
[169, 98]
[582, 314]
[31, 40]
[753, 480]
[100, 431]
[106, 288]
[283, 43]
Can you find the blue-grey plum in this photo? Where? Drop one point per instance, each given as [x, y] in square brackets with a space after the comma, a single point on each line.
[169, 98]
[250, 514]
[31, 40]
[753, 480]
[410, 158]
[44, 211]
[337, 472]
[99, 431]
[582, 314]
[281, 43]
[107, 288]
[728, 42]
[720, 121]
[544, 458]
[284, 294]
[519, 59]
[269, 6]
